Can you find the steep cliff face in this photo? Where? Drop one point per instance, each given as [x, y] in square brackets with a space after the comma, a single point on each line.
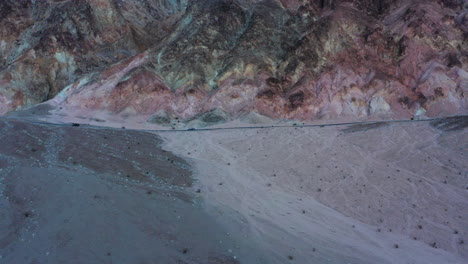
[281, 58]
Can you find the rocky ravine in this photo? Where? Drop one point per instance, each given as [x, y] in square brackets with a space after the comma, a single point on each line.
[159, 60]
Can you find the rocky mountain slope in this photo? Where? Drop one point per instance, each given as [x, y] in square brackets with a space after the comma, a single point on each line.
[219, 59]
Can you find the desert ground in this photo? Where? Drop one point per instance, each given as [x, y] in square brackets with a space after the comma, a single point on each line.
[233, 132]
[386, 192]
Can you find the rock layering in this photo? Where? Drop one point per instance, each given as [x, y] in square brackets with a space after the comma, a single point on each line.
[183, 59]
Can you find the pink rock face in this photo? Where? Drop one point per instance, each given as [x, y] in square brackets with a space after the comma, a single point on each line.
[284, 59]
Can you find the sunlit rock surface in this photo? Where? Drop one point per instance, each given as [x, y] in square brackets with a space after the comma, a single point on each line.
[293, 59]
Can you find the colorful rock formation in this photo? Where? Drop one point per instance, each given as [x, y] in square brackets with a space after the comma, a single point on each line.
[293, 59]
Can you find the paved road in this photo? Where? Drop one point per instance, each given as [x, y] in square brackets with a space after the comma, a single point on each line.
[234, 128]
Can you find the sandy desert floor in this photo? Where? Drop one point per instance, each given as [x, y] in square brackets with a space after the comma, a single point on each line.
[370, 193]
